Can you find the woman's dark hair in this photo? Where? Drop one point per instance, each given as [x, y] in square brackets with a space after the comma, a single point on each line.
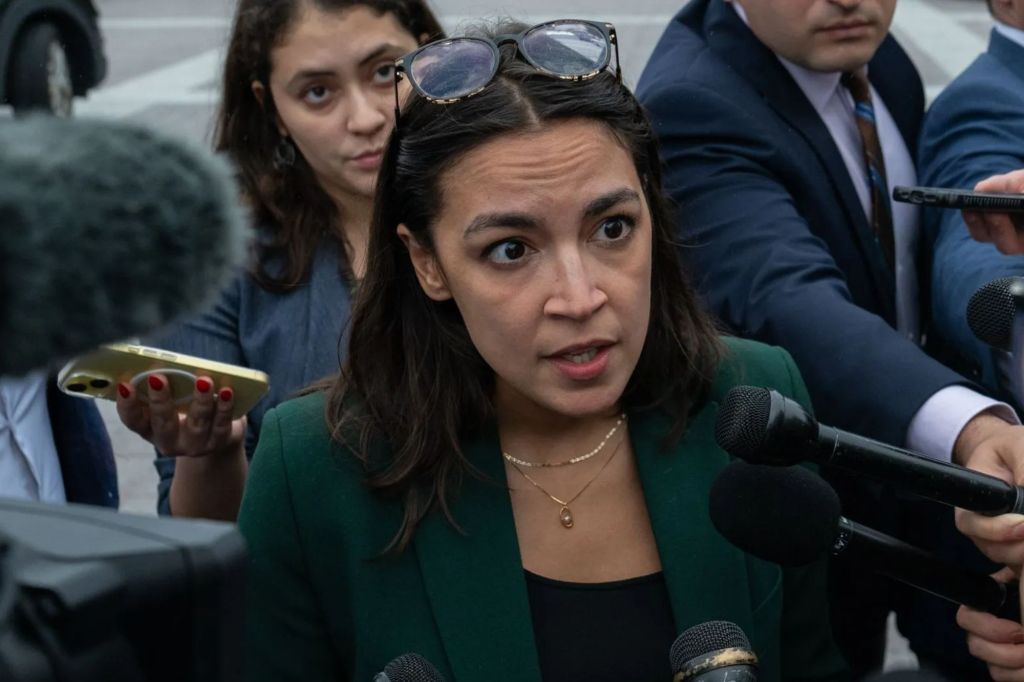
[288, 203]
[414, 382]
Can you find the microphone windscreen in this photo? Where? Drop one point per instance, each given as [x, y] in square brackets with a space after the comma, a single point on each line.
[991, 311]
[411, 668]
[705, 638]
[742, 423]
[107, 231]
[786, 515]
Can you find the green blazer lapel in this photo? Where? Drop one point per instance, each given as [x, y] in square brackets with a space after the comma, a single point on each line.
[475, 580]
[706, 576]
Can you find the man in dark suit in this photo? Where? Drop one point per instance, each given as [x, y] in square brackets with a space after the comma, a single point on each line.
[784, 124]
[974, 130]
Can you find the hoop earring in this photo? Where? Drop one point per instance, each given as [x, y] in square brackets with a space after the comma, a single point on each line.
[284, 154]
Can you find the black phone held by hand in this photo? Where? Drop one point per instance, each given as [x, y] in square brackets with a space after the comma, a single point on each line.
[966, 200]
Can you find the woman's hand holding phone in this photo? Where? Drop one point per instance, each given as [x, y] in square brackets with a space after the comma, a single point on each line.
[1005, 230]
[205, 429]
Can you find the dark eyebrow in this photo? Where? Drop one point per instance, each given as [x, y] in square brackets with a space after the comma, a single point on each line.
[595, 208]
[602, 204]
[376, 53]
[380, 51]
[309, 74]
[486, 221]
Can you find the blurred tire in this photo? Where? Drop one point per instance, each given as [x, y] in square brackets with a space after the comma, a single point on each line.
[40, 78]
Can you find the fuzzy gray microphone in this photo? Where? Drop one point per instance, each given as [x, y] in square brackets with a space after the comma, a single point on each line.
[107, 231]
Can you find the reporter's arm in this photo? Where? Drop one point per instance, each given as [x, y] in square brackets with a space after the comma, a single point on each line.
[206, 439]
[213, 335]
[1005, 230]
[768, 276]
[209, 487]
[991, 445]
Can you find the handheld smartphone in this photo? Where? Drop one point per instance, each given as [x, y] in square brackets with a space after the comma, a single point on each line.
[97, 373]
[963, 199]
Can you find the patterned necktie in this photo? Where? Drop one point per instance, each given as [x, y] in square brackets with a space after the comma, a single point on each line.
[881, 209]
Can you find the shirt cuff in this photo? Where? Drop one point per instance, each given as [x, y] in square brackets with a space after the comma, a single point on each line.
[936, 426]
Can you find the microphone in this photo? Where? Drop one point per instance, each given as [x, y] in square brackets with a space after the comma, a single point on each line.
[762, 426]
[992, 310]
[993, 315]
[409, 668]
[790, 516]
[715, 651]
[107, 231]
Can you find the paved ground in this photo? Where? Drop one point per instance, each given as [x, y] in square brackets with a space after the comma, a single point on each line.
[165, 57]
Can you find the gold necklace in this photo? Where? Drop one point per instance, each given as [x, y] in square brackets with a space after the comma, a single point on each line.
[574, 460]
[565, 513]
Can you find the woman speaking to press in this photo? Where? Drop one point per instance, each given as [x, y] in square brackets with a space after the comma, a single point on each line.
[510, 475]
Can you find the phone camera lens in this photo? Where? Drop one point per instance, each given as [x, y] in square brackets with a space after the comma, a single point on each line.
[77, 387]
[99, 383]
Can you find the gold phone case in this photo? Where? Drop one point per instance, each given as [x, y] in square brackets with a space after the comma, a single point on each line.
[97, 373]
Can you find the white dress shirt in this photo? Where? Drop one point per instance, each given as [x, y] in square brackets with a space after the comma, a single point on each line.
[936, 426]
[1010, 32]
[29, 468]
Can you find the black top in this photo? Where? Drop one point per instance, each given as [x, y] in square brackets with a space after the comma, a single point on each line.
[615, 631]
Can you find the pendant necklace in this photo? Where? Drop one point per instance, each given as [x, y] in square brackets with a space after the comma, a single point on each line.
[565, 516]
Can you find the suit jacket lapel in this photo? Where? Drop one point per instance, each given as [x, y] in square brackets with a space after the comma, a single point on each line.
[475, 579]
[1007, 52]
[706, 576]
[896, 80]
[733, 42]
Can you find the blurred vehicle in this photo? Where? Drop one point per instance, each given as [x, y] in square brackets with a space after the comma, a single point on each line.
[50, 52]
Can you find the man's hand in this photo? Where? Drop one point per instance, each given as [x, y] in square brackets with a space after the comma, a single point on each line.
[1005, 230]
[993, 446]
[997, 642]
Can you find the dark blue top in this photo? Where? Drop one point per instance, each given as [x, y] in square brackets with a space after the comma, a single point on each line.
[294, 337]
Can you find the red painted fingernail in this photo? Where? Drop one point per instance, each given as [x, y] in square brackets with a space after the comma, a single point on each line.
[124, 390]
[203, 385]
[226, 394]
[156, 383]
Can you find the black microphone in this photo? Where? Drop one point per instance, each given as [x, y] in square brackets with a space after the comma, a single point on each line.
[715, 651]
[992, 310]
[790, 516]
[409, 668]
[107, 231]
[764, 427]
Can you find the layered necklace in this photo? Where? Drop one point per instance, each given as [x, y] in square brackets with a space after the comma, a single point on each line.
[565, 515]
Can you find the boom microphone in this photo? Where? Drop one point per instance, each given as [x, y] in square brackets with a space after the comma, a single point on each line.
[715, 651]
[762, 426]
[107, 231]
[409, 668]
[790, 516]
[992, 310]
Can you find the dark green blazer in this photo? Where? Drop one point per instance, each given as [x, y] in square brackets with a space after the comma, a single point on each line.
[324, 604]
